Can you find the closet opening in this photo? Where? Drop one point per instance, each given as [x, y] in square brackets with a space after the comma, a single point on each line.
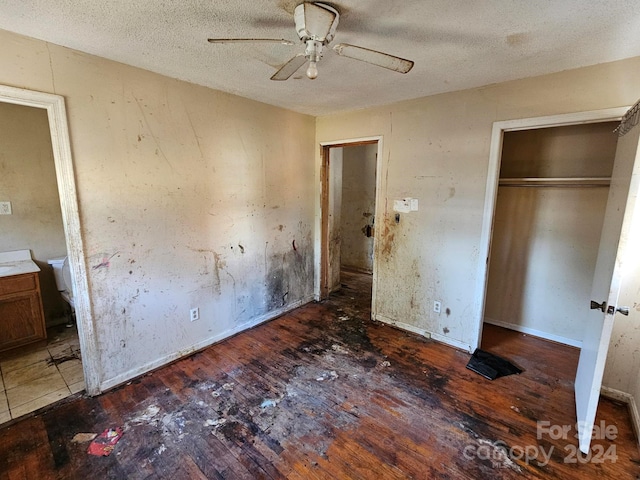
[551, 199]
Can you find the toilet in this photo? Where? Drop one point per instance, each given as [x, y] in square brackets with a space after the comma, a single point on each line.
[62, 273]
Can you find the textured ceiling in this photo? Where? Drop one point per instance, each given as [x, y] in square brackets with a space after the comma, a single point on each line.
[455, 44]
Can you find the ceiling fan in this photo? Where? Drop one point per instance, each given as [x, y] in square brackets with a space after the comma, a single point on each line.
[316, 25]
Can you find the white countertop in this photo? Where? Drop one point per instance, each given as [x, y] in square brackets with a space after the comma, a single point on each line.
[17, 263]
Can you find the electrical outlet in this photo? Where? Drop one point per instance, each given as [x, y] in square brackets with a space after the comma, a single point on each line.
[437, 306]
[194, 313]
[5, 208]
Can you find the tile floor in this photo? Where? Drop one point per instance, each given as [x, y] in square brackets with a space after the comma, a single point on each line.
[41, 377]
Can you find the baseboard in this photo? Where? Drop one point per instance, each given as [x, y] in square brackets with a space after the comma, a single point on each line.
[401, 325]
[136, 372]
[631, 404]
[425, 333]
[452, 342]
[536, 333]
[349, 268]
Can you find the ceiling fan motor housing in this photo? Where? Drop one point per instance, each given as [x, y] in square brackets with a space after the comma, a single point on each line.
[316, 21]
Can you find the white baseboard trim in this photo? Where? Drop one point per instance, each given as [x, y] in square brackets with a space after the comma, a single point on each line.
[136, 372]
[421, 331]
[401, 325]
[536, 333]
[452, 342]
[631, 403]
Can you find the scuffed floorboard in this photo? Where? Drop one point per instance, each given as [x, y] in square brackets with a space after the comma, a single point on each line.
[324, 392]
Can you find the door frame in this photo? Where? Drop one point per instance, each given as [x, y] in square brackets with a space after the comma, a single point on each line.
[65, 176]
[491, 191]
[322, 263]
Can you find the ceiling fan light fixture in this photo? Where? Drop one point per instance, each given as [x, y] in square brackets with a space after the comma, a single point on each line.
[312, 70]
[313, 53]
[316, 25]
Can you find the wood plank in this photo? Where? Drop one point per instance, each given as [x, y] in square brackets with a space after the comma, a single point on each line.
[397, 406]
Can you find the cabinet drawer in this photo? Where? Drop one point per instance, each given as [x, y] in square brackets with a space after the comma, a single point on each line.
[18, 283]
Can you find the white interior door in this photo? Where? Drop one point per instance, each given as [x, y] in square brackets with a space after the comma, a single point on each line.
[614, 246]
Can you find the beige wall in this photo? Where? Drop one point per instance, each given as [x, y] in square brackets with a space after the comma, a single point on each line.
[436, 149]
[28, 181]
[358, 205]
[543, 257]
[188, 197]
[334, 204]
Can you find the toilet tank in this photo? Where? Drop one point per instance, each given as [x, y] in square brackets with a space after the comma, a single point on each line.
[57, 264]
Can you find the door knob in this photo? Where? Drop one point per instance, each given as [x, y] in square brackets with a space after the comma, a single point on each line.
[623, 310]
[598, 306]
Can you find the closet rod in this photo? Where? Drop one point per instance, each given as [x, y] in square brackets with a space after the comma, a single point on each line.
[555, 182]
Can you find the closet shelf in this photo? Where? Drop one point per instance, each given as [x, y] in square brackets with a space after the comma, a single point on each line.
[555, 182]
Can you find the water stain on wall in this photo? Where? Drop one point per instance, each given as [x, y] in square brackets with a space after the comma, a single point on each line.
[288, 275]
[218, 264]
[387, 240]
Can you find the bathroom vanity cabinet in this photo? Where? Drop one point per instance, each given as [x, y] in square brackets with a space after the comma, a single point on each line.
[21, 314]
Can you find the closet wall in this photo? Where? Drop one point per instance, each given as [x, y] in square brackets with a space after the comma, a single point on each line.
[547, 224]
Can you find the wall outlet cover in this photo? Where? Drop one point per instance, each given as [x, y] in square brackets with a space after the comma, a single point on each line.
[5, 208]
[437, 306]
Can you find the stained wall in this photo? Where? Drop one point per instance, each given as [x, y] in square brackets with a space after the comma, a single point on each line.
[189, 198]
[436, 149]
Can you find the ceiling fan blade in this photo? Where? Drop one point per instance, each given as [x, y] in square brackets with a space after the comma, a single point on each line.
[290, 68]
[251, 40]
[374, 57]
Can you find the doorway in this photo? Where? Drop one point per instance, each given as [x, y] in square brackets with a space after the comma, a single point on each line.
[552, 195]
[350, 184]
[491, 195]
[54, 108]
[612, 252]
[33, 374]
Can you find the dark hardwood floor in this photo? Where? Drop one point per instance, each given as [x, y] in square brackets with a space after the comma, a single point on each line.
[323, 392]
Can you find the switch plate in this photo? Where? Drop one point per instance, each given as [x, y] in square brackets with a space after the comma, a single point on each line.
[402, 206]
[5, 208]
[413, 202]
[194, 314]
[437, 306]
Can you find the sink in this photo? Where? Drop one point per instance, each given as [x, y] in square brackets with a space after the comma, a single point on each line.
[11, 264]
[5, 270]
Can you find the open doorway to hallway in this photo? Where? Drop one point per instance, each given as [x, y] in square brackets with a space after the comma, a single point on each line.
[348, 211]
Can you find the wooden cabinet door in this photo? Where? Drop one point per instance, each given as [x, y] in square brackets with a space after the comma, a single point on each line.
[21, 318]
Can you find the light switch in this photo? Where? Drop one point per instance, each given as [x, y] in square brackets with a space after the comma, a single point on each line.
[414, 204]
[5, 208]
[401, 206]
